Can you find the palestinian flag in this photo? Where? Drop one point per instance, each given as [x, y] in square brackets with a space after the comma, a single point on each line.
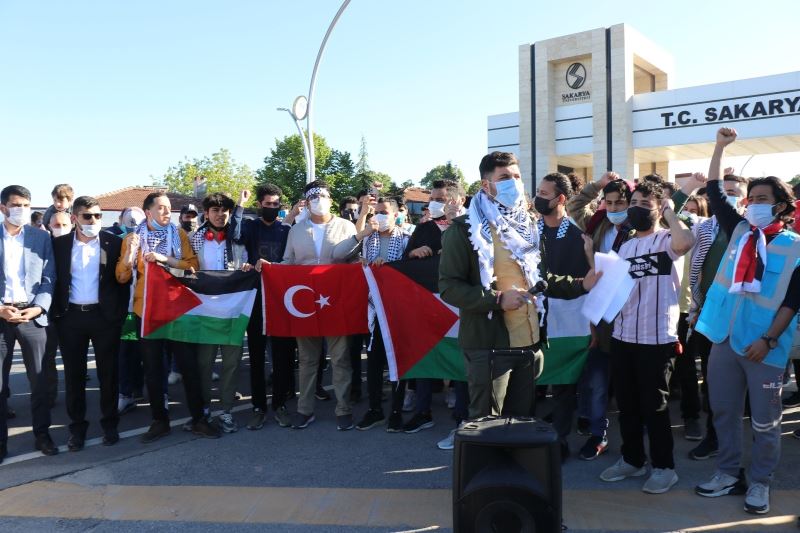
[209, 307]
[419, 330]
[568, 335]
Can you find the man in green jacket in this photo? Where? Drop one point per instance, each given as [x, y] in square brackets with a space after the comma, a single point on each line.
[490, 258]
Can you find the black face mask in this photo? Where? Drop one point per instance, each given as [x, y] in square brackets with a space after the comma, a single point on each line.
[641, 218]
[188, 226]
[542, 205]
[269, 214]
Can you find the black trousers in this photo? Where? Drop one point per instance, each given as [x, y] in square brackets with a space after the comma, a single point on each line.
[641, 374]
[50, 350]
[185, 355]
[32, 339]
[75, 330]
[376, 362]
[702, 347]
[686, 372]
[282, 352]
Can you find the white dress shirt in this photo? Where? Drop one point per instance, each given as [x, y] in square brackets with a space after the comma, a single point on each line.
[85, 269]
[14, 267]
[213, 255]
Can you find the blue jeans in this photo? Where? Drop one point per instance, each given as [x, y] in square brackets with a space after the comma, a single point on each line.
[593, 390]
[131, 372]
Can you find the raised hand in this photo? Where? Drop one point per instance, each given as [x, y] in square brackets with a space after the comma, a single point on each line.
[726, 136]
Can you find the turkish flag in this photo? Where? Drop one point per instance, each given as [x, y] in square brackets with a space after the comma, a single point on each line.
[314, 301]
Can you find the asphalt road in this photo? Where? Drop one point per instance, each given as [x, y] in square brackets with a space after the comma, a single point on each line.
[320, 479]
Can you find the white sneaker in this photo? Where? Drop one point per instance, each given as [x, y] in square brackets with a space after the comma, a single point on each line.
[720, 485]
[409, 401]
[450, 398]
[448, 443]
[757, 499]
[660, 481]
[620, 470]
[125, 404]
[173, 378]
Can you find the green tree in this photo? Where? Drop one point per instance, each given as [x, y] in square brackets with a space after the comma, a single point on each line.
[795, 180]
[362, 166]
[221, 173]
[448, 171]
[285, 166]
[474, 187]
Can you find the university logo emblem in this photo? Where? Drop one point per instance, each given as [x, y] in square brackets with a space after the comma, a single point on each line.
[576, 75]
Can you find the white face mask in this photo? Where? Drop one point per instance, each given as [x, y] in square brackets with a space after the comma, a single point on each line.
[19, 216]
[383, 222]
[91, 230]
[58, 232]
[436, 209]
[320, 206]
[759, 215]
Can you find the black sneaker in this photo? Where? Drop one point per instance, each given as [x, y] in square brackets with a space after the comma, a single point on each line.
[344, 422]
[395, 422]
[418, 422]
[706, 449]
[322, 395]
[371, 419]
[793, 400]
[158, 429]
[584, 426]
[75, 443]
[46, 445]
[692, 429]
[110, 437]
[595, 446]
[204, 429]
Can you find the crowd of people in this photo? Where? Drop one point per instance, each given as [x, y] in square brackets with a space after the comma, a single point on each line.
[714, 265]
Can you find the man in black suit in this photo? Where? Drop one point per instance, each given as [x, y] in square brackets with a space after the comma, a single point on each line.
[89, 304]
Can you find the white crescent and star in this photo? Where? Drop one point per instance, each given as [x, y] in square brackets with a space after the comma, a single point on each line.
[288, 301]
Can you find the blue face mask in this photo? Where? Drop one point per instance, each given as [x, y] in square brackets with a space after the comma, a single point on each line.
[732, 200]
[510, 192]
[400, 220]
[617, 218]
[157, 226]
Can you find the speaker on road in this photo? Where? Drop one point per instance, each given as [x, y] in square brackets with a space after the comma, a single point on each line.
[506, 477]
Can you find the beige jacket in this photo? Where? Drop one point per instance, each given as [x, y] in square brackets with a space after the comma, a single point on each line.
[339, 244]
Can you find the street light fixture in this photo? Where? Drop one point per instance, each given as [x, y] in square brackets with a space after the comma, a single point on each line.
[293, 113]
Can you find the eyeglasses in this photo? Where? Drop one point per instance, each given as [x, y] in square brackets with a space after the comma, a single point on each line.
[90, 216]
[270, 204]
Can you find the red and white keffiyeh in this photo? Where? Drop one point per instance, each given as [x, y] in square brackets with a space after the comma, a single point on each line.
[751, 258]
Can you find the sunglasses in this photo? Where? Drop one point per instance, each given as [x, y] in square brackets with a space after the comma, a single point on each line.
[90, 216]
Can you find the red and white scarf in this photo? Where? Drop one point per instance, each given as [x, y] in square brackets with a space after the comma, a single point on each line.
[751, 258]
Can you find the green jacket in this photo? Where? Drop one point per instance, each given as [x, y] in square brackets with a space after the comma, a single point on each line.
[460, 286]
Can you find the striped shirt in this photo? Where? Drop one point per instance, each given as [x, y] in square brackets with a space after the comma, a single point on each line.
[650, 316]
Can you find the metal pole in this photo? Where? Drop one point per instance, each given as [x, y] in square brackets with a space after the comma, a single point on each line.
[309, 127]
[302, 137]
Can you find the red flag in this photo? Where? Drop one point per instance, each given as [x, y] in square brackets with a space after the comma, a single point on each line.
[165, 298]
[314, 301]
[417, 327]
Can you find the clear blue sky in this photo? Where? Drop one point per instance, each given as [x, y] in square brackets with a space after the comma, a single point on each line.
[106, 94]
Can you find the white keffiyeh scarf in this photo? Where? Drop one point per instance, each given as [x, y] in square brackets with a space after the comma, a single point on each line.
[517, 233]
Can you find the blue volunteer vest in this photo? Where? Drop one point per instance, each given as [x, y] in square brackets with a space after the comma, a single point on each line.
[744, 317]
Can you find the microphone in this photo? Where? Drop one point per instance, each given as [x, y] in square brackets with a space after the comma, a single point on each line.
[539, 288]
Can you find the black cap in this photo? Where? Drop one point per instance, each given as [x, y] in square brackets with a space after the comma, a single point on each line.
[189, 208]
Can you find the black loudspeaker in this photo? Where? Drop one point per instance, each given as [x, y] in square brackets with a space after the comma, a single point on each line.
[507, 477]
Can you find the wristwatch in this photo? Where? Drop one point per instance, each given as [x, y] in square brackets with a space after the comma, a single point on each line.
[772, 342]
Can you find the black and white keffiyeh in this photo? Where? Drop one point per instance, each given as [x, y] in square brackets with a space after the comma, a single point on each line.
[166, 241]
[517, 233]
[563, 227]
[397, 245]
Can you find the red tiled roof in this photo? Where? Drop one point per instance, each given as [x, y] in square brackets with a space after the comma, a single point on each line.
[416, 194]
[135, 195]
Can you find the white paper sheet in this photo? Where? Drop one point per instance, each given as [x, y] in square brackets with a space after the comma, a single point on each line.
[612, 290]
